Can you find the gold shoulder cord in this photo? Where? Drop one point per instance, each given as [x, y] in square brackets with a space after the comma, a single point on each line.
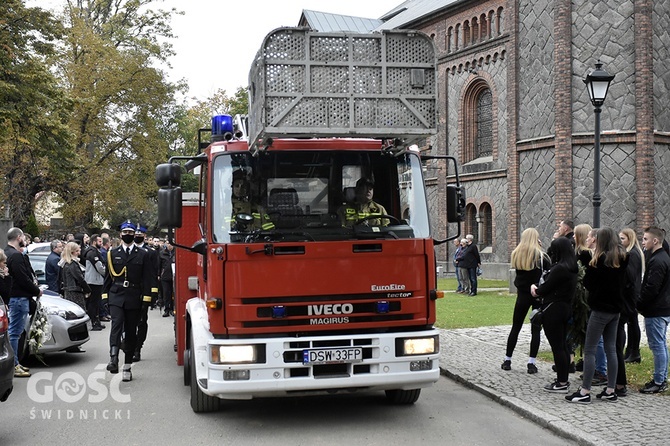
[111, 267]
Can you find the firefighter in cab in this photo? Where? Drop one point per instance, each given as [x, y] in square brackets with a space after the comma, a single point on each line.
[364, 209]
[247, 215]
[128, 284]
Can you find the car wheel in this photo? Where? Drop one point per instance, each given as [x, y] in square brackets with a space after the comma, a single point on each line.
[200, 402]
[403, 397]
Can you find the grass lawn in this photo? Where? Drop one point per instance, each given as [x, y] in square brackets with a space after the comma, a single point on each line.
[486, 309]
[490, 308]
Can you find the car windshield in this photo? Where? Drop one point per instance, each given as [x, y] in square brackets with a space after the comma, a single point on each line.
[306, 196]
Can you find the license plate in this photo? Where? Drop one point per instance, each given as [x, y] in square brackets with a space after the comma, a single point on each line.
[332, 355]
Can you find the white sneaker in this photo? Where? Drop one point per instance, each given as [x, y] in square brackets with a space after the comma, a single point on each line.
[127, 375]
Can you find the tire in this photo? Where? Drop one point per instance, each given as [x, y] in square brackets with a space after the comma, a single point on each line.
[187, 366]
[200, 402]
[403, 397]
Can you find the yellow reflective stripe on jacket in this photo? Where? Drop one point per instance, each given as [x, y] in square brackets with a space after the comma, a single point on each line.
[146, 298]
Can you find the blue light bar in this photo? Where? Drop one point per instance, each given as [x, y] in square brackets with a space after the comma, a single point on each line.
[222, 127]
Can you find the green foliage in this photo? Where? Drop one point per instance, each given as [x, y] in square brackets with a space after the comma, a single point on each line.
[31, 226]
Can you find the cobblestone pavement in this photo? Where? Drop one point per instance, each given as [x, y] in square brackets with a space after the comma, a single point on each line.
[473, 357]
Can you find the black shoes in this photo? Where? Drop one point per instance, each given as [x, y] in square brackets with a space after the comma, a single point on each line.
[532, 368]
[113, 365]
[506, 365]
[611, 397]
[621, 391]
[166, 314]
[472, 294]
[557, 387]
[652, 387]
[578, 398]
[137, 357]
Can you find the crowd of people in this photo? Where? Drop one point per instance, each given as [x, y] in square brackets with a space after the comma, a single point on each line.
[584, 291]
[112, 279]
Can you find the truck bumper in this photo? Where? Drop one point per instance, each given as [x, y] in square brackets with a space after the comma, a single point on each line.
[282, 371]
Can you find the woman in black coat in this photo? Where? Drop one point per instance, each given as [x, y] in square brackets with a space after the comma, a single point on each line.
[75, 288]
[555, 296]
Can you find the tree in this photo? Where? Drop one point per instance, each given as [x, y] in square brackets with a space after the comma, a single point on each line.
[122, 103]
[35, 148]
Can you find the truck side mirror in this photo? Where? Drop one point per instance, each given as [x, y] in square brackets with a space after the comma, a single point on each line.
[168, 175]
[455, 203]
[169, 207]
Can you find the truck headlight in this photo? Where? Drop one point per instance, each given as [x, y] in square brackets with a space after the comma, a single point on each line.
[234, 354]
[417, 346]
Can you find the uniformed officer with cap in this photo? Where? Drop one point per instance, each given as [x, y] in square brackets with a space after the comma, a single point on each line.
[143, 325]
[365, 207]
[127, 285]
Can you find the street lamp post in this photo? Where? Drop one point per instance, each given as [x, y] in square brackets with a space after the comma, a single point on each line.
[597, 84]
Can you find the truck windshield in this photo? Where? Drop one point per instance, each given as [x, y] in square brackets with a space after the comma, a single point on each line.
[317, 195]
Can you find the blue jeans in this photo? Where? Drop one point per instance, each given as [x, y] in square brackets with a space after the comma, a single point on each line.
[458, 279]
[657, 328]
[603, 325]
[472, 274]
[18, 313]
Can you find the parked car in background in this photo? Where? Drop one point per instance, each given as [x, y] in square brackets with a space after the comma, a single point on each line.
[6, 356]
[38, 260]
[44, 247]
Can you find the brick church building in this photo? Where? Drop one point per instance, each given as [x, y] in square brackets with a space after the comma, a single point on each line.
[515, 112]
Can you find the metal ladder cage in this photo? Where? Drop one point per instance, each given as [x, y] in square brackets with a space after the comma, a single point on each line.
[309, 84]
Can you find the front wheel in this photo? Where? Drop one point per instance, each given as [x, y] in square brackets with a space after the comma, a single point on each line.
[200, 402]
[398, 396]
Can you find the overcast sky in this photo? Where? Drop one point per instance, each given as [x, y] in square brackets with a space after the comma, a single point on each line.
[218, 39]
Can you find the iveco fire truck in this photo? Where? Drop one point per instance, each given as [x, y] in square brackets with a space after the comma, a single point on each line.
[283, 287]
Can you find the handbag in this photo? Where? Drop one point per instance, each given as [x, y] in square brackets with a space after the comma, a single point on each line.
[537, 315]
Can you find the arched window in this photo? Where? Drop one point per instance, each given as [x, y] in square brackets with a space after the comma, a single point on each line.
[484, 143]
[478, 131]
[485, 225]
[471, 222]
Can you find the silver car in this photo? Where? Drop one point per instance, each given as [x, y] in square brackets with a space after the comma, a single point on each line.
[69, 324]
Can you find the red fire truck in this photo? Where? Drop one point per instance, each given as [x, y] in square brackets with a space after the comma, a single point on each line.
[291, 281]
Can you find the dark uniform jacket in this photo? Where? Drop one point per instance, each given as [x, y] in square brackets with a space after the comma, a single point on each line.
[167, 259]
[129, 279]
[655, 293]
[24, 282]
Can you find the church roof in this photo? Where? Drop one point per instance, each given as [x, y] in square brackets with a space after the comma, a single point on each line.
[326, 22]
[412, 11]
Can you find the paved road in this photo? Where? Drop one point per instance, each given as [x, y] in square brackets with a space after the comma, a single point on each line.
[154, 409]
[636, 419]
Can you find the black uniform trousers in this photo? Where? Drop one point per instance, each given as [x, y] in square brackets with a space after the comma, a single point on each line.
[124, 319]
[93, 303]
[167, 293]
[142, 327]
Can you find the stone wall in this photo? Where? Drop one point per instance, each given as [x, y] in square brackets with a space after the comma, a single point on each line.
[536, 69]
[617, 185]
[604, 30]
[662, 193]
[661, 54]
[536, 193]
